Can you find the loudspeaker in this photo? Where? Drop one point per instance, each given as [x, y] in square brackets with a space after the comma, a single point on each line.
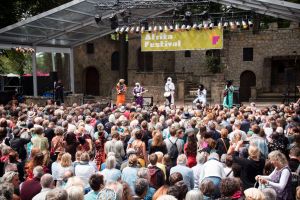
[236, 97]
[53, 76]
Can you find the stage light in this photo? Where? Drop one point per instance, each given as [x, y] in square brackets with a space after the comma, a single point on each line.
[232, 25]
[175, 14]
[183, 27]
[160, 28]
[155, 29]
[250, 23]
[188, 27]
[244, 24]
[127, 29]
[122, 29]
[205, 25]
[150, 29]
[195, 26]
[177, 27]
[143, 29]
[238, 24]
[188, 13]
[220, 25]
[225, 25]
[137, 29]
[113, 21]
[171, 28]
[132, 29]
[97, 18]
[200, 26]
[166, 29]
[211, 26]
[117, 30]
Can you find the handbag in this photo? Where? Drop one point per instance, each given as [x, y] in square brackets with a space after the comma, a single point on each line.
[259, 186]
[167, 94]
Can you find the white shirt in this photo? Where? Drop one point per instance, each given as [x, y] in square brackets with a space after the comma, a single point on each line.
[197, 170]
[42, 195]
[212, 168]
[84, 172]
[169, 87]
[201, 94]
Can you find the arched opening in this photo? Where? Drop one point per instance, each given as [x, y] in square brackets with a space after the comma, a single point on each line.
[144, 61]
[247, 80]
[91, 81]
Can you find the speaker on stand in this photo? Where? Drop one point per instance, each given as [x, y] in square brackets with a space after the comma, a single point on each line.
[236, 97]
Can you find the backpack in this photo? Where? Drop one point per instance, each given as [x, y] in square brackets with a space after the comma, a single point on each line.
[173, 153]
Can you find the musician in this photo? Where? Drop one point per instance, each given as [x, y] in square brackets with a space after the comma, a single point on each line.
[121, 91]
[228, 95]
[169, 91]
[201, 95]
[137, 92]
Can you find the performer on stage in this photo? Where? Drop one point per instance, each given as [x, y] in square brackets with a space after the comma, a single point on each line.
[228, 95]
[201, 95]
[169, 91]
[137, 92]
[59, 92]
[121, 90]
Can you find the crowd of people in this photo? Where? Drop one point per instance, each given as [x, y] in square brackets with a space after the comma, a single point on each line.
[129, 153]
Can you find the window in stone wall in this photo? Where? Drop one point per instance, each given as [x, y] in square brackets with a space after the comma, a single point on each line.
[248, 54]
[90, 48]
[115, 61]
[144, 61]
[187, 54]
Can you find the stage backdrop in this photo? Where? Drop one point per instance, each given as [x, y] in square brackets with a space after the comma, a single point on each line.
[183, 40]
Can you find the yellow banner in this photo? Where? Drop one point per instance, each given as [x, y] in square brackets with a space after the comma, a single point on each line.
[183, 40]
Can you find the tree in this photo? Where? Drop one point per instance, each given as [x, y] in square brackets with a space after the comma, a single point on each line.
[12, 11]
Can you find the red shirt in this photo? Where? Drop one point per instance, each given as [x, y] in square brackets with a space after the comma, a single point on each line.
[30, 188]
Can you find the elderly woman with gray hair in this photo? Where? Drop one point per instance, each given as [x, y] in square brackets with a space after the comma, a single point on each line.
[13, 178]
[110, 173]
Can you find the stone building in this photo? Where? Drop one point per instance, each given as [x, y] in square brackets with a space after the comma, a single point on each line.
[260, 64]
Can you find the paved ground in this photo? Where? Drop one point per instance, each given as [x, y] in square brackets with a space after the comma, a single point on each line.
[258, 104]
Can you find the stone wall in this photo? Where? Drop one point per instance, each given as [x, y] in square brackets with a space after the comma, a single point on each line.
[68, 100]
[101, 60]
[265, 44]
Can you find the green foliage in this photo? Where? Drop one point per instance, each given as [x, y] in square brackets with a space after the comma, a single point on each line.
[12, 11]
[15, 62]
[213, 64]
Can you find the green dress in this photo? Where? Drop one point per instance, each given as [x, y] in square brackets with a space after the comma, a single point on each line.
[228, 99]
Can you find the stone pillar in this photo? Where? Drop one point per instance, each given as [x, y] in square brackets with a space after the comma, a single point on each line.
[180, 89]
[253, 93]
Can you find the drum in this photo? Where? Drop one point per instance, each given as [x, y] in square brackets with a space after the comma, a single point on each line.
[167, 94]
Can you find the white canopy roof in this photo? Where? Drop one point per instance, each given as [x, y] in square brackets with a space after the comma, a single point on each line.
[74, 23]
